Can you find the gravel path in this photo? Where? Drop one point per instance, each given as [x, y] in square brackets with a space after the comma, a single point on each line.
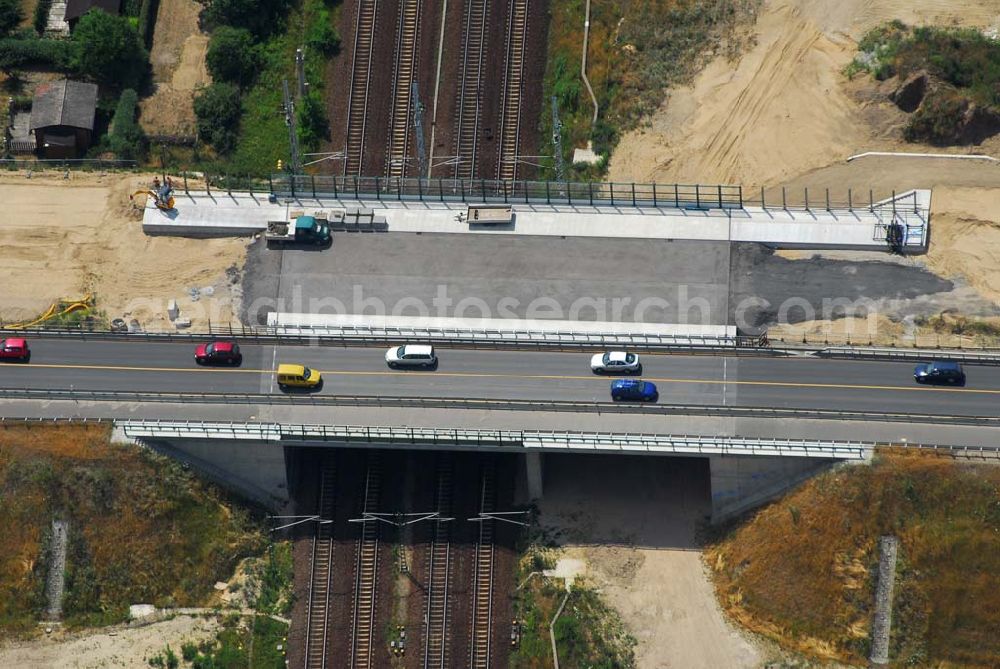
[882, 624]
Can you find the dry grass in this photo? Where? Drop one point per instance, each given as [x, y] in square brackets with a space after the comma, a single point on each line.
[142, 529]
[802, 570]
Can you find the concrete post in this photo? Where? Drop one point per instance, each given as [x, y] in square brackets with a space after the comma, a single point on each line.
[533, 469]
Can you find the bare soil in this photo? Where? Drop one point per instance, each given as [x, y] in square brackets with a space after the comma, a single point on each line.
[64, 238]
[109, 647]
[632, 520]
[178, 58]
[784, 108]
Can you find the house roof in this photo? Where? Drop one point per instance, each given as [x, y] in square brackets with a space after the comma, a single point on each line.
[77, 8]
[68, 103]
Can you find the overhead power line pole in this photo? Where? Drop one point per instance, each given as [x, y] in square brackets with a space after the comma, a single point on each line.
[293, 137]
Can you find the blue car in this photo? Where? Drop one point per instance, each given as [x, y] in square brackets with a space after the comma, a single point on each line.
[940, 373]
[635, 390]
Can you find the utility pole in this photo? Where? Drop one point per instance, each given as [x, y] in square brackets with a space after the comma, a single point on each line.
[293, 138]
[557, 140]
[418, 128]
[300, 71]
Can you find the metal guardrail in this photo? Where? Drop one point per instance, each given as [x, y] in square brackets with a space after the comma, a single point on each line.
[681, 196]
[304, 398]
[981, 357]
[373, 336]
[521, 439]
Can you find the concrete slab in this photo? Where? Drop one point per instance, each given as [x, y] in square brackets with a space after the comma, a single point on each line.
[243, 213]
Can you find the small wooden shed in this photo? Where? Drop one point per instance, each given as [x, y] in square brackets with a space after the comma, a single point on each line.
[62, 118]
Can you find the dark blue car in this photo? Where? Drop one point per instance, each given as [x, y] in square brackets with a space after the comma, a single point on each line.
[635, 390]
[940, 372]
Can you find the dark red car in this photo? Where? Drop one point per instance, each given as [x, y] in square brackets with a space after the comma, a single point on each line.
[218, 353]
[14, 349]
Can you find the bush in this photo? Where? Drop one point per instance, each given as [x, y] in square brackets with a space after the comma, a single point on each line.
[313, 124]
[57, 54]
[261, 17]
[322, 36]
[218, 110]
[110, 50]
[127, 138]
[232, 56]
[939, 119]
[41, 19]
[10, 16]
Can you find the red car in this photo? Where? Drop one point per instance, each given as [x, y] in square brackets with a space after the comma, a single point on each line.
[14, 349]
[218, 353]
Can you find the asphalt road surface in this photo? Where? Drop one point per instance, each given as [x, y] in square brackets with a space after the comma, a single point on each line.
[806, 383]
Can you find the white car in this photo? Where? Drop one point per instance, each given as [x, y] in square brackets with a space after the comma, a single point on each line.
[411, 355]
[616, 362]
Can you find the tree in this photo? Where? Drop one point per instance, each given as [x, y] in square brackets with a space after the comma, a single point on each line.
[10, 16]
[261, 17]
[110, 50]
[127, 138]
[218, 110]
[232, 56]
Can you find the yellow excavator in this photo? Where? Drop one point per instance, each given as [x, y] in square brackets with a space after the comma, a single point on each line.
[162, 196]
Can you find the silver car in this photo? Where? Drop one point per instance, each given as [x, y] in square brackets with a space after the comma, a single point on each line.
[616, 362]
[411, 355]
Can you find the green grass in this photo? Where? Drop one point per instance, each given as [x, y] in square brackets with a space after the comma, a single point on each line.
[588, 632]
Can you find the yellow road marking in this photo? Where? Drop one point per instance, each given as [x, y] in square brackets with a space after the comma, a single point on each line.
[494, 375]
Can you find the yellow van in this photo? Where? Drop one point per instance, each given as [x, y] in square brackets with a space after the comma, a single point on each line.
[298, 376]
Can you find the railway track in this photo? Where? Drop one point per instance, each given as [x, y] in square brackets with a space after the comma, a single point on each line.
[469, 90]
[482, 593]
[510, 119]
[319, 586]
[439, 574]
[365, 573]
[357, 106]
[404, 71]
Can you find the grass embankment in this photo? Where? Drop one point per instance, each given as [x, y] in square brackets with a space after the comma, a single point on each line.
[588, 633]
[960, 101]
[142, 529]
[263, 133]
[637, 50]
[802, 571]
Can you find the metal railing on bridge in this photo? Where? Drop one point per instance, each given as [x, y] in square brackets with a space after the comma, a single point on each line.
[681, 196]
[411, 437]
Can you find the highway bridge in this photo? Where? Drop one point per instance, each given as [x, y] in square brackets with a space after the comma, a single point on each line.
[496, 376]
[713, 406]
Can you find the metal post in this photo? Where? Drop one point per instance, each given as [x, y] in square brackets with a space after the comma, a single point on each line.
[482, 188]
[548, 194]
[807, 199]
[420, 186]
[611, 187]
[336, 192]
[697, 195]
[828, 199]
[504, 191]
[763, 202]
[739, 193]
[440, 189]
[677, 196]
[357, 195]
[208, 185]
[720, 195]
[893, 205]
[633, 193]
[525, 183]
[462, 182]
[378, 188]
[654, 195]
[569, 194]
[590, 191]
[312, 179]
[784, 202]
[916, 210]
[185, 175]
[871, 200]
[850, 200]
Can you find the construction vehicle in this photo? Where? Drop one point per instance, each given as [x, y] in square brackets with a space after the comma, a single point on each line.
[300, 230]
[162, 196]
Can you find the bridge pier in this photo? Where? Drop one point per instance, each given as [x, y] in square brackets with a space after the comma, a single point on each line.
[740, 482]
[532, 466]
